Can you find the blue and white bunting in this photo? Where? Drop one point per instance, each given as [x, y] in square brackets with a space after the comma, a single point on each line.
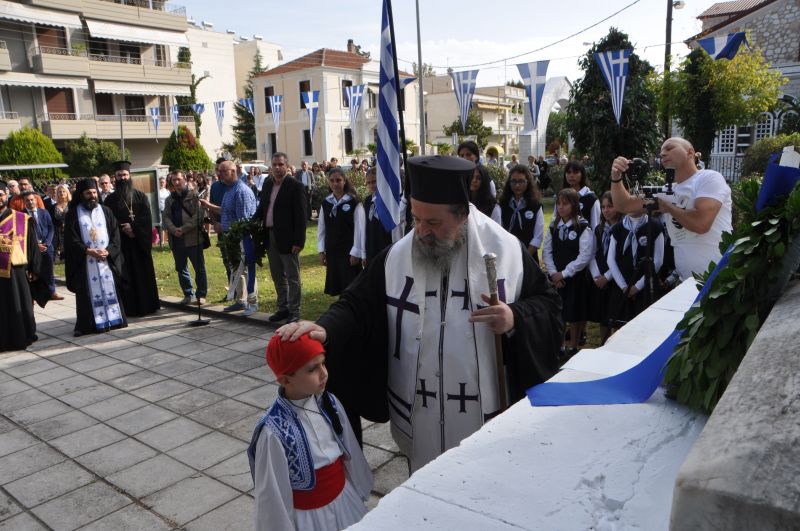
[311, 101]
[247, 103]
[354, 96]
[154, 117]
[725, 46]
[464, 87]
[534, 76]
[198, 107]
[219, 113]
[174, 113]
[387, 202]
[276, 103]
[614, 67]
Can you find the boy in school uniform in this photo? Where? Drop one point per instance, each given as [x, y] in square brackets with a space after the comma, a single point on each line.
[307, 467]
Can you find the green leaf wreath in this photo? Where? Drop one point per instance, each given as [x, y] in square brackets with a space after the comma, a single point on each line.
[233, 238]
[719, 330]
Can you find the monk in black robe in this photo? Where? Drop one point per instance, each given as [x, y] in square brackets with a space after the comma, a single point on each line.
[89, 257]
[20, 262]
[132, 212]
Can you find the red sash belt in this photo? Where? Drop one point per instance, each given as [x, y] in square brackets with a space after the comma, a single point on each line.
[330, 482]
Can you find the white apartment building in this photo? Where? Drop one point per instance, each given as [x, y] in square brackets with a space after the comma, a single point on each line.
[244, 54]
[93, 66]
[328, 71]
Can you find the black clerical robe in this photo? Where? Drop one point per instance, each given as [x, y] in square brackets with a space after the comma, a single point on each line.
[76, 268]
[139, 292]
[17, 323]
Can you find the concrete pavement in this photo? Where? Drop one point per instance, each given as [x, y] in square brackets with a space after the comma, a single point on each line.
[141, 428]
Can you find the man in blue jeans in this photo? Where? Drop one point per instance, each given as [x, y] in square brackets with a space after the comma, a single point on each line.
[181, 219]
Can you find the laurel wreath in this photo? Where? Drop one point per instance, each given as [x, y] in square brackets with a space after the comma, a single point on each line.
[231, 240]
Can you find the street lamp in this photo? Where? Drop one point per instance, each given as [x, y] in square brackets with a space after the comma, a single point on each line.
[676, 4]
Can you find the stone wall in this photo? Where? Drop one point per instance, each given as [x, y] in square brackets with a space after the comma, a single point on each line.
[775, 29]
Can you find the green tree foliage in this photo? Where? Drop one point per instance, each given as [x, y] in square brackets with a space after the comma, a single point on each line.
[87, 157]
[30, 146]
[443, 148]
[475, 127]
[427, 70]
[185, 102]
[757, 156]
[590, 118]
[707, 95]
[244, 130]
[556, 129]
[184, 152]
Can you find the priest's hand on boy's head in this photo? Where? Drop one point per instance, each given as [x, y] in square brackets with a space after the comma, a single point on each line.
[294, 330]
[500, 318]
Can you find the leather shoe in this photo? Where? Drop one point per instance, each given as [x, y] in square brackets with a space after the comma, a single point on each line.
[56, 297]
[278, 316]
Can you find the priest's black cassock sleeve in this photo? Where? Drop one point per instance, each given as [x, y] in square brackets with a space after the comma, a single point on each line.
[75, 267]
[357, 340]
[17, 323]
[140, 292]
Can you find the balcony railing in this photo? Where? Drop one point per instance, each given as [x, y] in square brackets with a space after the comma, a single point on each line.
[156, 5]
[138, 118]
[8, 115]
[729, 165]
[53, 50]
[60, 116]
[121, 59]
[3, 45]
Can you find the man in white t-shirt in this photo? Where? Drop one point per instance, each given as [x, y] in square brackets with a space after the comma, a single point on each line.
[696, 215]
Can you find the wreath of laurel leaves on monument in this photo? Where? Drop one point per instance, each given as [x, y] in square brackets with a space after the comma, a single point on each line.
[233, 238]
[719, 330]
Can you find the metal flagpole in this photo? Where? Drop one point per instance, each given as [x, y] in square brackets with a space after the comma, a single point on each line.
[397, 90]
[420, 73]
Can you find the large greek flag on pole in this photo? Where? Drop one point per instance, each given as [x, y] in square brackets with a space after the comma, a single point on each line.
[174, 112]
[311, 101]
[387, 204]
[276, 103]
[354, 96]
[219, 112]
[247, 103]
[154, 117]
[534, 76]
[614, 67]
[724, 47]
[406, 81]
[464, 87]
[198, 107]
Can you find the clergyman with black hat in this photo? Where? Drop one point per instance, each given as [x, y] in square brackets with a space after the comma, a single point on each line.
[93, 262]
[20, 262]
[412, 340]
[131, 209]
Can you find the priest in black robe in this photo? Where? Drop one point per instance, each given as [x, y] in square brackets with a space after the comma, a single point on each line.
[20, 262]
[412, 339]
[132, 212]
[93, 262]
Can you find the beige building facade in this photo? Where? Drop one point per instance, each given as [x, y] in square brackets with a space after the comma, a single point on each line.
[244, 58]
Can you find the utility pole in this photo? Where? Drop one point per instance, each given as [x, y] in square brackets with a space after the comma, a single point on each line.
[421, 72]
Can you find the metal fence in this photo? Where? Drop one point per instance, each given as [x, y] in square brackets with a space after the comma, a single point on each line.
[730, 166]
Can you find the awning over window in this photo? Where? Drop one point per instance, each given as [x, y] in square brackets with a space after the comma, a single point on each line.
[140, 89]
[120, 32]
[35, 15]
[22, 79]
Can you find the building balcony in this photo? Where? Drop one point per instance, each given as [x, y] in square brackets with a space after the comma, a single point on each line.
[149, 13]
[66, 5]
[67, 126]
[9, 121]
[60, 61]
[5, 59]
[136, 126]
[116, 68]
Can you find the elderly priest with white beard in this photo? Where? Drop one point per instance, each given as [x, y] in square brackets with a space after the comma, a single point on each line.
[412, 340]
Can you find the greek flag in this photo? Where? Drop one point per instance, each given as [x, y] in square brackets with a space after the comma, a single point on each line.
[154, 117]
[174, 112]
[247, 103]
[406, 81]
[387, 204]
[614, 67]
[199, 107]
[534, 76]
[311, 101]
[354, 96]
[219, 112]
[464, 87]
[276, 102]
[724, 47]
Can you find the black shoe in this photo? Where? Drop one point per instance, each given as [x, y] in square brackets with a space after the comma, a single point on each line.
[278, 316]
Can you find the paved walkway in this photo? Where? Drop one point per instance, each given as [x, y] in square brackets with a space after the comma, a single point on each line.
[141, 428]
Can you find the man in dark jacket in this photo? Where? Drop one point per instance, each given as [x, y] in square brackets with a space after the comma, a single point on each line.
[282, 209]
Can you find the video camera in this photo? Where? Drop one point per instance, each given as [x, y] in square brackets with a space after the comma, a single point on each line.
[638, 170]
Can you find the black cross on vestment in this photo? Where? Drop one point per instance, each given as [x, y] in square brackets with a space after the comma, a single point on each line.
[425, 393]
[430, 294]
[465, 294]
[462, 397]
[402, 305]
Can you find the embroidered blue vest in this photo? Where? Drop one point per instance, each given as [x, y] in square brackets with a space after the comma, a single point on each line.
[281, 420]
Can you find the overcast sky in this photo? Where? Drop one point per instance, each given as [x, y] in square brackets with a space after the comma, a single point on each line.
[459, 33]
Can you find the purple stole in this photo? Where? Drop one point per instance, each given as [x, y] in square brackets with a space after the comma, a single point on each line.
[13, 242]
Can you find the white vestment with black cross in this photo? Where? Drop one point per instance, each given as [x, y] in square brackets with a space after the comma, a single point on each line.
[442, 375]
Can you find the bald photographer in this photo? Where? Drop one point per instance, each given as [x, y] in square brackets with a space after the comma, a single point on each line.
[696, 213]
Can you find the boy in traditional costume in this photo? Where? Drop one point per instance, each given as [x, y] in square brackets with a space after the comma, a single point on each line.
[307, 467]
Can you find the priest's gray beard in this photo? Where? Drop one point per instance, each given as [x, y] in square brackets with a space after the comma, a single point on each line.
[438, 254]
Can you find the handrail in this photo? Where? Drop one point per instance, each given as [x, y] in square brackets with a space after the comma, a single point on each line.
[3, 45]
[9, 115]
[155, 5]
[61, 116]
[160, 63]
